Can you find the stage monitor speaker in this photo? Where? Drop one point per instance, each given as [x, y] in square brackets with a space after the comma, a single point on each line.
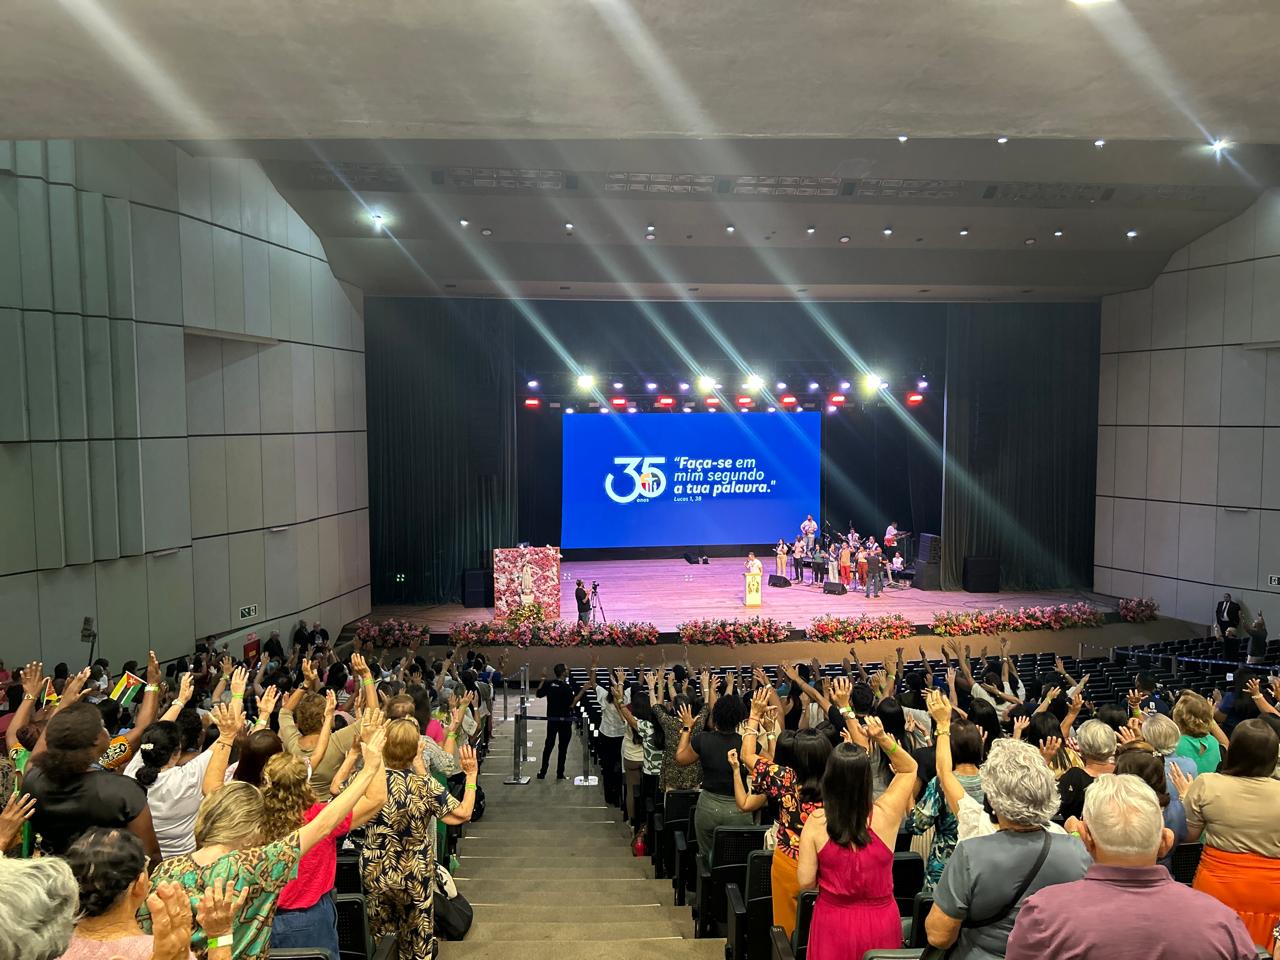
[777, 581]
[928, 576]
[690, 558]
[930, 550]
[981, 575]
[835, 587]
[477, 587]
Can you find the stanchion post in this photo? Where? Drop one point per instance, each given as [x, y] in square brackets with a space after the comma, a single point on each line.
[587, 779]
[519, 749]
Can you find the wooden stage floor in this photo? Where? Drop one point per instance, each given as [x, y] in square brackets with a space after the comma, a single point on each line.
[666, 593]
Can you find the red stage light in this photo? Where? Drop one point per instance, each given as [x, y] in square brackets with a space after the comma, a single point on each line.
[666, 402]
[618, 401]
[745, 402]
[713, 401]
[915, 399]
[837, 399]
[532, 402]
[787, 401]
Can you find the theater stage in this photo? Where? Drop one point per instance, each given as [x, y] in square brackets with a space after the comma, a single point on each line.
[666, 593]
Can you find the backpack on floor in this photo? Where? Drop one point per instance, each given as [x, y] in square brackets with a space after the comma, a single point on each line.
[453, 912]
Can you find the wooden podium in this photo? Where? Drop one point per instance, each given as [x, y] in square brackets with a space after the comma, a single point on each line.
[751, 588]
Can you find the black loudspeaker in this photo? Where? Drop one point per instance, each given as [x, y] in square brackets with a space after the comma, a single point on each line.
[930, 550]
[928, 576]
[777, 581]
[835, 587]
[477, 586]
[981, 575]
[690, 558]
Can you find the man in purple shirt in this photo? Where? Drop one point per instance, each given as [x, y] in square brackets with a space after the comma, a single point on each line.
[1127, 905]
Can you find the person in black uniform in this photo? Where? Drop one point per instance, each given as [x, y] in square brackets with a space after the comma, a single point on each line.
[584, 604]
[562, 697]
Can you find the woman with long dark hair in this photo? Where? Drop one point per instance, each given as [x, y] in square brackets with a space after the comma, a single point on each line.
[846, 849]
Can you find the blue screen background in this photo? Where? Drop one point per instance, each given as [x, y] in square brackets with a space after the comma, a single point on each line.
[786, 449]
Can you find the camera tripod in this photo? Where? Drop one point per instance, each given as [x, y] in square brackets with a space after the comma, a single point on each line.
[597, 608]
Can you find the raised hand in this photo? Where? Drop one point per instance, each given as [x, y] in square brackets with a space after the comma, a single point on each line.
[239, 681]
[467, 759]
[371, 749]
[74, 687]
[1049, 748]
[1254, 687]
[227, 665]
[372, 719]
[759, 704]
[15, 813]
[170, 922]
[227, 718]
[330, 705]
[218, 907]
[841, 692]
[309, 673]
[267, 702]
[186, 687]
[732, 757]
[32, 676]
[1052, 694]
[939, 707]
[1020, 724]
[1059, 666]
[685, 715]
[1127, 734]
[874, 728]
[1178, 777]
[360, 667]
[952, 673]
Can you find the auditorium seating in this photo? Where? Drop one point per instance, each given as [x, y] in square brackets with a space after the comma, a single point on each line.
[730, 848]
[749, 909]
[1186, 858]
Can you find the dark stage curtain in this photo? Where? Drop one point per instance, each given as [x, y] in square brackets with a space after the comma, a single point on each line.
[1021, 437]
[442, 452]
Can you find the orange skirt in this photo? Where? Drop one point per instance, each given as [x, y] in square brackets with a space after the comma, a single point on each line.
[1248, 883]
[786, 890]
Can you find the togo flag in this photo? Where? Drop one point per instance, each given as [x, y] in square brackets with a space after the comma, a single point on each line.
[126, 689]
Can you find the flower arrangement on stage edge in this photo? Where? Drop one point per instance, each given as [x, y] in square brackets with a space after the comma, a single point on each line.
[847, 630]
[391, 633]
[1063, 616]
[530, 612]
[552, 633]
[1138, 609]
[730, 633]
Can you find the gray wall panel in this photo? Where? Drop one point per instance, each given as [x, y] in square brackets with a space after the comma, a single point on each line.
[10, 262]
[64, 248]
[197, 273]
[348, 565]
[67, 596]
[153, 173]
[278, 504]
[308, 563]
[99, 397]
[158, 268]
[326, 406]
[241, 393]
[193, 185]
[166, 521]
[29, 156]
[104, 501]
[20, 618]
[77, 508]
[281, 555]
[17, 518]
[326, 474]
[277, 217]
[205, 406]
[275, 383]
[60, 161]
[162, 393]
[208, 464]
[330, 570]
[170, 603]
[228, 280]
[304, 390]
[211, 567]
[253, 199]
[345, 469]
[129, 495]
[33, 245]
[42, 375]
[13, 377]
[119, 226]
[225, 182]
[68, 340]
[247, 557]
[344, 417]
[244, 483]
[257, 288]
[46, 485]
[124, 628]
[300, 321]
[281, 284]
[103, 165]
[304, 476]
[124, 378]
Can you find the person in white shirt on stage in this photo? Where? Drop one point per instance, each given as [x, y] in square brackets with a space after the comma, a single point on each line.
[781, 552]
[753, 565]
[890, 534]
[798, 553]
[809, 528]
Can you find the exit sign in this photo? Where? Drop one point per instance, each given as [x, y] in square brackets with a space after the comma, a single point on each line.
[1274, 580]
[249, 612]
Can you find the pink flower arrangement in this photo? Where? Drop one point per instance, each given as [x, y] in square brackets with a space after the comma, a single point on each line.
[391, 633]
[846, 630]
[554, 633]
[1138, 609]
[1063, 616]
[730, 633]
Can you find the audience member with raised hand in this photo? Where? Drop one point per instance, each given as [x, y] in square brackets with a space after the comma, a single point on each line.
[793, 779]
[1138, 759]
[1234, 812]
[306, 915]
[123, 747]
[1163, 735]
[306, 722]
[957, 757]
[669, 718]
[175, 791]
[1194, 716]
[1144, 911]
[977, 898]
[17, 811]
[231, 846]
[846, 850]
[1097, 743]
[716, 805]
[397, 861]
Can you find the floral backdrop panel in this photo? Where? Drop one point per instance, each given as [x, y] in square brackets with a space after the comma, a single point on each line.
[526, 575]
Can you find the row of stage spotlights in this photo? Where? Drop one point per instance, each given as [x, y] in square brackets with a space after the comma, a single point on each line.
[787, 402]
[870, 382]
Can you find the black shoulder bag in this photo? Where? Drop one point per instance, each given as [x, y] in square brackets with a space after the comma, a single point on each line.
[939, 953]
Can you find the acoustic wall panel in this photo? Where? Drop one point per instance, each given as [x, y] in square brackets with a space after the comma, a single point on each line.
[1237, 311]
[197, 273]
[304, 389]
[244, 483]
[308, 563]
[104, 499]
[247, 559]
[275, 384]
[281, 552]
[224, 177]
[228, 280]
[300, 325]
[40, 357]
[67, 596]
[277, 217]
[253, 199]
[77, 509]
[99, 396]
[170, 602]
[330, 544]
[153, 173]
[166, 522]
[17, 519]
[20, 618]
[46, 485]
[326, 419]
[346, 471]
[1169, 311]
[119, 228]
[124, 378]
[211, 571]
[124, 628]
[159, 270]
[162, 393]
[129, 496]
[206, 411]
[93, 254]
[33, 244]
[208, 465]
[240, 389]
[193, 185]
[279, 506]
[257, 288]
[280, 281]
[64, 248]
[68, 340]
[326, 474]
[306, 494]
[10, 259]
[13, 377]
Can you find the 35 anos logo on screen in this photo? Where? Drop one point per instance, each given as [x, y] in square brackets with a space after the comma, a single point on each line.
[646, 479]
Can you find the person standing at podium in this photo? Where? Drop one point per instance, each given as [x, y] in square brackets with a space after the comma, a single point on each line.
[753, 565]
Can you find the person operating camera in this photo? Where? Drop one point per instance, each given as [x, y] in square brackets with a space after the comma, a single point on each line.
[584, 603]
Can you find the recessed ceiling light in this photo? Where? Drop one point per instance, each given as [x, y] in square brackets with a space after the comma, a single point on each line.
[377, 220]
[1057, 233]
[650, 228]
[781, 385]
[1220, 144]
[533, 384]
[464, 223]
[1099, 143]
[486, 232]
[1002, 139]
[887, 231]
[964, 231]
[1131, 234]
[844, 239]
[1030, 241]
[729, 228]
[902, 138]
[649, 236]
[811, 230]
[617, 385]
[651, 385]
[568, 226]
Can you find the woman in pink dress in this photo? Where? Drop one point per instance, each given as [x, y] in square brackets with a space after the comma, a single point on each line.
[846, 849]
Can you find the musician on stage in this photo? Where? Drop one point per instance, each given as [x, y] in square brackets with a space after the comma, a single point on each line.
[819, 565]
[808, 529]
[797, 560]
[846, 564]
[781, 552]
[862, 565]
[890, 534]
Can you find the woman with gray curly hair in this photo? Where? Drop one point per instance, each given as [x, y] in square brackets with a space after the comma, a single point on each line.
[1097, 742]
[38, 902]
[987, 878]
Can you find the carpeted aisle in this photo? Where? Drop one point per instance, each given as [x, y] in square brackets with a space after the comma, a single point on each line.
[551, 877]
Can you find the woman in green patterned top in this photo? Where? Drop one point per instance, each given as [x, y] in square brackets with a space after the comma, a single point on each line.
[228, 847]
